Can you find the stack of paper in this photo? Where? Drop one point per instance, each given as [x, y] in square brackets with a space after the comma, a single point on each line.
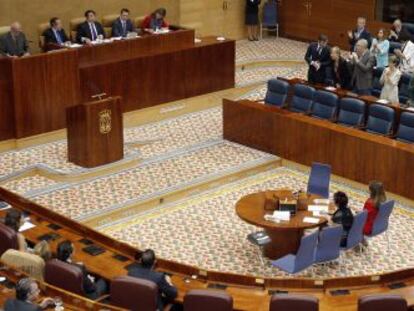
[311, 220]
[26, 226]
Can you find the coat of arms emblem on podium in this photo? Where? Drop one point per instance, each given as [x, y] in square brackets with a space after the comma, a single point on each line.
[105, 121]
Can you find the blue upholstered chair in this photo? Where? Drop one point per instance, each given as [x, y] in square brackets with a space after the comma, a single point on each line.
[319, 179]
[329, 245]
[270, 19]
[376, 84]
[382, 302]
[356, 233]
[303, 259]
[325, 105]
[351, 112]
[380, 119]
[277, 92]
[302, 99]
[403, 88]
[405, 131]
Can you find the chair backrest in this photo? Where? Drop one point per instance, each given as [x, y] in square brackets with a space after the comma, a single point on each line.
[73, 27]
[406, 127]
[382, 220]
[382, 303]
[376, 81]
[138, 21]
[325, 105]
[356, 234]
[134, 294]
[380, 119]
[329, 244]
[283, 302]
[270, 14]
[277, 92]
[302, 99]
[305, 255]
[64, 275]
[206, 300]
[8, 239]
[351, 112]
[31, 264]
[40, 30]
[403, 87]
[107, 22]
[319, 179]
[4, 30]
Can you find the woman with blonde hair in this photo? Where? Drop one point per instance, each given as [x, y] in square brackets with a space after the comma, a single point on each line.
[376, 198]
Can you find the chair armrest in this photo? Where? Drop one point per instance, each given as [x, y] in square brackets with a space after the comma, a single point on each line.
[102, 298]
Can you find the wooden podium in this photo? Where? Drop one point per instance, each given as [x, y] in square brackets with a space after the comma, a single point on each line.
[95, 132]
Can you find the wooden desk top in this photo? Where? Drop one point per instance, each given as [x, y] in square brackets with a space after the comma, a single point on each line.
[251, 209]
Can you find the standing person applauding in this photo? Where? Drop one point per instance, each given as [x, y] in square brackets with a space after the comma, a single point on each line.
[318, 58]
[390, 79]
[252, 19]
[379, 48]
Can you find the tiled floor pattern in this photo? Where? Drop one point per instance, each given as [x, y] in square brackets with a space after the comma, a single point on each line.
[212, 237]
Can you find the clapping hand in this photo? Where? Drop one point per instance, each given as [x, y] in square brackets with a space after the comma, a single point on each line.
[350, 34]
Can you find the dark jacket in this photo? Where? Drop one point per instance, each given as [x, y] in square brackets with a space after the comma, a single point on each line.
[18, 305]
[364, 35]
[321, 55]
[84, 31]
[252, 7]
[402, 36]
[345, 218]
[119, 31]
[167, 293]
[340, 75]
[14, 47]
[50, 36]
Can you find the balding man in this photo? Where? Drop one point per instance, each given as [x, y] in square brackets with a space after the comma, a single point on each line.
[399, 33]
[360, 32]
[362, 64]
[14, 43]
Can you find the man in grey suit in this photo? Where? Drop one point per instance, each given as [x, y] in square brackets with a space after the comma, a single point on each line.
[14, 43]
[362, 64]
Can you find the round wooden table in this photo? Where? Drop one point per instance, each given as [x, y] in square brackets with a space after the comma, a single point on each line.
[285, 235]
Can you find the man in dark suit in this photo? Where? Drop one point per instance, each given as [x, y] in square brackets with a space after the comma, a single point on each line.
[14, 43]
[122, 25]
[167, 291]
[399, 33]
[318, 58]
[27, 294]
[90, 30]
[362, 64]
[55, 34]
[359, 33]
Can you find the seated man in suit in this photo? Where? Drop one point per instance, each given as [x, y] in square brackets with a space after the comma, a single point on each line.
[399, 33]
[27, 295]
[90, 30]
[362, 64]
[122, 25]
[318, 58]
[359, 33]
[55, 34]
[14, 43]
[167, 291]
[92, 288]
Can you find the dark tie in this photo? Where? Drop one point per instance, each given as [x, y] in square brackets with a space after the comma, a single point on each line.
[94, 34]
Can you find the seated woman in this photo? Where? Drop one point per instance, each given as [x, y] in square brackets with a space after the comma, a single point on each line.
[380, 47]
[376, 197]
[338, 74]
[93, 289]
[155, 21]
[390, 79]
[14, 220]
[343, 215]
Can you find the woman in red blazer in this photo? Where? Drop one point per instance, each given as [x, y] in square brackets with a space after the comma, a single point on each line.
[156, 20]
[377, 196]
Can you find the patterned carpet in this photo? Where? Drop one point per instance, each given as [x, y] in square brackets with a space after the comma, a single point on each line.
[212, 237]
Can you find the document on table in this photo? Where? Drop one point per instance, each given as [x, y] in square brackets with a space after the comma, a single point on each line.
[318, 208]
[26, 226]
[311, 220]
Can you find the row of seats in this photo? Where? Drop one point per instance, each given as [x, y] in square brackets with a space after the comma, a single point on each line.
[347, 111]
[403, 85]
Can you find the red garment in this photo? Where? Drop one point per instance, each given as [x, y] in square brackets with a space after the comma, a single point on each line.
[372, 214]
[146, 23]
